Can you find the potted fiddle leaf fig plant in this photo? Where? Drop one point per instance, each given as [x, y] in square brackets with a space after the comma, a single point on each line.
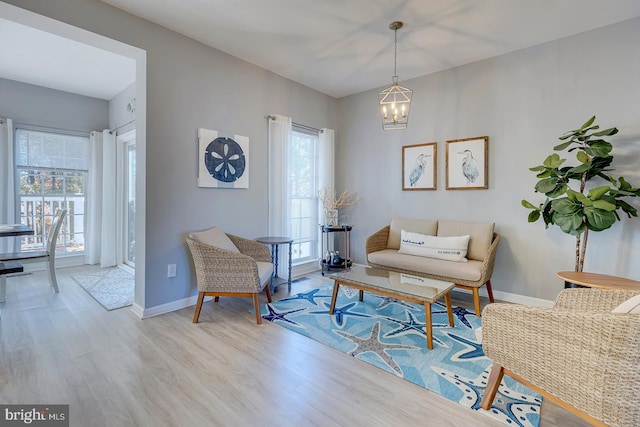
[572, 205]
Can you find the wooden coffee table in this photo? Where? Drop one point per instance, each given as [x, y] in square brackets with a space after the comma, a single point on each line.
[405, 287]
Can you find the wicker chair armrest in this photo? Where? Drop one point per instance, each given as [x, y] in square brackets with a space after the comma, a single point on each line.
[218, 269]
[592, 300]
[588, 360]
[378, 240]
[489, 260]
[252, 248]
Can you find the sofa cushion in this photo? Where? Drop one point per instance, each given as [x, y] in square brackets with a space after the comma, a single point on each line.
[215, 237]
[450, 248]
[422, 226]
[390, 258]
[481, 235]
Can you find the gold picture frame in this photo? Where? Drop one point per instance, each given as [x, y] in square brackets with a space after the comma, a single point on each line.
[419, 166]
[467, 163]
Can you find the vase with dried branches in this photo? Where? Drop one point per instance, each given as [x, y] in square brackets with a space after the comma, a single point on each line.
[331, 202]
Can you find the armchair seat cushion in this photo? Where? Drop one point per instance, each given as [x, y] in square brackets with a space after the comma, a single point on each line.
[471, 270]
[265, 271]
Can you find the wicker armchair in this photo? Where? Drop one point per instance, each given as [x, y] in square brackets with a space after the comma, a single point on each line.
[577, 353]
[224, 272]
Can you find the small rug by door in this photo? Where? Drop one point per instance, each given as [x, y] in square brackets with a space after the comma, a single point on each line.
[390, 334]
[112, 287]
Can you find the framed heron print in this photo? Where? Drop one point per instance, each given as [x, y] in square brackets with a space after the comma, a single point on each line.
[467, 163]
[419, 166]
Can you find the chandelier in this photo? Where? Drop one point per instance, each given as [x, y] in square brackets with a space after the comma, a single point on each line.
[395, 101]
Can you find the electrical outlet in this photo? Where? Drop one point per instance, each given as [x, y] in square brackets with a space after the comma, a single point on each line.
[171, 270]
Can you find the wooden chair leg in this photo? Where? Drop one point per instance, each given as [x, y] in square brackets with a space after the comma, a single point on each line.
[495, 376]
[476, 301]
[216, 298]
[196, 314]
[489, 290]
[256, 307]
[267, 290]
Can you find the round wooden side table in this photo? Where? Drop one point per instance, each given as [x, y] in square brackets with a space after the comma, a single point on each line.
[575, 279]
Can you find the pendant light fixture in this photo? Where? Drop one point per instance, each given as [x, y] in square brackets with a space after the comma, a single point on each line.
[395, 101]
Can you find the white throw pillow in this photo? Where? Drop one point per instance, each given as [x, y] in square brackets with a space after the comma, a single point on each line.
[450, 248]
[215, 237]
[632, 306]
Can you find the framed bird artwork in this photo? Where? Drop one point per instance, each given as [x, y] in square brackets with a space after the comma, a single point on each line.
[467, 163]
[419, 166]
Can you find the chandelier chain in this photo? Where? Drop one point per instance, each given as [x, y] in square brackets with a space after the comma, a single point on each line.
[395, 53]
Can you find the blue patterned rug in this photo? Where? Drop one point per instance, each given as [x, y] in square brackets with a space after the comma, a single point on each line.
[390, 334]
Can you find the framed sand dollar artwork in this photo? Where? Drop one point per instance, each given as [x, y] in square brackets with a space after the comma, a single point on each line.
[223, 160]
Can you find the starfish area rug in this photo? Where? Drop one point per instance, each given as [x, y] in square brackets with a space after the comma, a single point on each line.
[390, 334]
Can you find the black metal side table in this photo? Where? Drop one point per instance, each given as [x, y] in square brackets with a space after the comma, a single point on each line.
[274, 241]
[346, 261]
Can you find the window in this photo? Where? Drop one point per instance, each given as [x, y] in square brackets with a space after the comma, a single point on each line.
[52, 174]
[303, 212]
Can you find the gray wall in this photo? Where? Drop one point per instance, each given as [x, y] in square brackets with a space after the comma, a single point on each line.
[189, 86]
[36, 105]
[523, 101]
[120, 117]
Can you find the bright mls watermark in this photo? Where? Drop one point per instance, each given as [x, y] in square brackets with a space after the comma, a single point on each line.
[34, 415]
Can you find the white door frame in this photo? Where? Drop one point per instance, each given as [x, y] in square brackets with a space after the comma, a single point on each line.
[122, 143]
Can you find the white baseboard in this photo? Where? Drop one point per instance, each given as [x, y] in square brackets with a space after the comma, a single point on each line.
[137, 310]
[302, 269]
[509, 297]
[145, 313]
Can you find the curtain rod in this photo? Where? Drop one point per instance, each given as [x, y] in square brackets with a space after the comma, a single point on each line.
[270, 117]
[121, 126]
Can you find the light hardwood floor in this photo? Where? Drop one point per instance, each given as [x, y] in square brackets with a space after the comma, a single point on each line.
[116, 370]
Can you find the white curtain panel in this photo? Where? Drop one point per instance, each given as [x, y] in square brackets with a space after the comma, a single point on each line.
[279, 189]
[7, 183]
[94, 201]
[326, 175]
[108, 252]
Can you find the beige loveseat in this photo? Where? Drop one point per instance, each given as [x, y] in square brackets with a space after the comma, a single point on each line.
[383, 251]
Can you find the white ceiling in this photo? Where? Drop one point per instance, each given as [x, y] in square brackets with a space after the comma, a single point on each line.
[44, 59]
[342, 47]
[338, 47]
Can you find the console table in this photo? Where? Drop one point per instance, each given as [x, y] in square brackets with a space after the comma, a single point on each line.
[577, 279]
[274, 241]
